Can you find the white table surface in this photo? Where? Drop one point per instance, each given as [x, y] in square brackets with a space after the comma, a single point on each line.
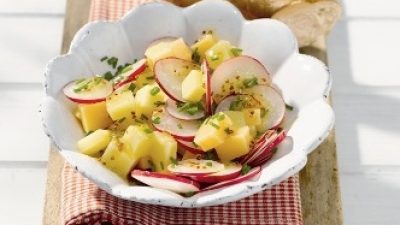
[364, 60]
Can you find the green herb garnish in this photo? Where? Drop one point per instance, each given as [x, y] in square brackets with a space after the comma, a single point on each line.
[189, 194]
[263, 112]
[144, 117]
[220, 116]
[80, 81]
[108, 75]
[152, 166]
[156, 120]
[194, 143]
[173, 161]
[289, 107]
[148, 130]
[88, 133]
[121, 120]
[150, 78]
[274, 150]
[245, 169]
[190, 108]
[104, 58]
[236, 51]
[113, 61]
[250, 82]
[214, 125]
[162, 165]
[214, 57]
[126, 69]
[179, 126]
[228, 131]
[154, 91]
[135, 60]
[132, 87]
[196, 55]
[82, 85]
[209, 164]
[210, 156]
[236, 105]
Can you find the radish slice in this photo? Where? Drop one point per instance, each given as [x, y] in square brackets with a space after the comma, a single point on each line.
[207, 77]
[195, 167]
[272, 102]
[180, 129]
[130, 73]
[189, 146]
[174, 111]
[251, 174]
[262, 153]
[166, 181]
[88, 90]
[247, 101]
[170, 73]
[231, 171]
[236, 74]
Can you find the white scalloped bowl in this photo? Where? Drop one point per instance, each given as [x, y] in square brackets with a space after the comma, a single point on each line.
[303, 81]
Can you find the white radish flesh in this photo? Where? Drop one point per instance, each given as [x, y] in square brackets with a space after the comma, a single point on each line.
[231, 171]
[131, 73]
[189, 146]
[88, 90]
[195, 167]
[166, 181]
[237, 74]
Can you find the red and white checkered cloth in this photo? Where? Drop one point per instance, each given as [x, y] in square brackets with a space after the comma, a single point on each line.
[84, 203]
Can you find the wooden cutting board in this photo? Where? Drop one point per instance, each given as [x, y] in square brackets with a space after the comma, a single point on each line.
[319, 181]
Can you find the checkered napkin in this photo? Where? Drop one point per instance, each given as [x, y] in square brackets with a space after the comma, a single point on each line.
[84, 203]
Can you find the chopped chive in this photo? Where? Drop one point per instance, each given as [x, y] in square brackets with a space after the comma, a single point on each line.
[263, 112]
[210, 156]
[108, 75]
[250, 82]
[148, 130]
[236, 105]
[194, 143]
[236, 51]
[214, 57]
[214, 125]
[179, 126]
[189, 194]
[220, 117]
[82, 85]
[135, 60]
[274, 150]
[228, 131]
[80, 81]
[162, 165]
[104, 58]
[121, 120]
[159, 103]
[150, 78]
[196, 55]
[156, 120]
[152, 166]
[113, 61]
[173, 161]
[154, 91]
[189, 107]
[209, 164]
[245, 169]
[88, 133]
[289, 107]
[132, 87]
[126, 68]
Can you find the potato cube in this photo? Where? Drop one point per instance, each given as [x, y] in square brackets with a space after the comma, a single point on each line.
[218, 53]
[252, 116]
[238, 119]
[147, 99]
[236, 145]
[137, 141]
[168, 48]
[203, 44]
[94, 142]
[213, 131]
[117, 160]
[120, 105]
[163, 150]
[94, 116]
[192, 86]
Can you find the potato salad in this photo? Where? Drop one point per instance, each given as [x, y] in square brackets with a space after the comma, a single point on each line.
[183, 118]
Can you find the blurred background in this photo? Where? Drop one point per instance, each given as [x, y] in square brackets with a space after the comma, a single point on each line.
[363, 56]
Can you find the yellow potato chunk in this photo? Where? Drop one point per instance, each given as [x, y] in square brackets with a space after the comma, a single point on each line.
[212, 132]
[94, 142]
[137, 141]
[189, 155]
[192, 86]
[203, 44]
[252, 116]
[236, 145]
[163, 151]
[117, 160]
[147, 99]
[238, 119]
[218, 53]
[168, 48]
[94, 116]
[120, 105]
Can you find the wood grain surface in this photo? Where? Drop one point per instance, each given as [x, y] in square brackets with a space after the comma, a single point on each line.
[320, 191]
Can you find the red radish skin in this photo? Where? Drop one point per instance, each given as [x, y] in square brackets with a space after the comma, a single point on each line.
[195, 167]
[251, 174]
[181, 129]
[88, 97]
[166, 181]
[237, 69]
[167, 75]
[189, 146]
[173, 110]
[131, 75]
[209, 101]
[231, 171]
